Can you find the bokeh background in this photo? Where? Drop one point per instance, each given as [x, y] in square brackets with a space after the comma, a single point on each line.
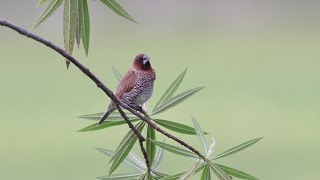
[259, 61]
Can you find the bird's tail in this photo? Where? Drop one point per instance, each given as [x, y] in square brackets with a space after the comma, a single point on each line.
[110, 109]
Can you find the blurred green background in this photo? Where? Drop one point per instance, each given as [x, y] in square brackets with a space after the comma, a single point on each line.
[259, 61]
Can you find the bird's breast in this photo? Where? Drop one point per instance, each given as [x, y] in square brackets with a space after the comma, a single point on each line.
[145, 90]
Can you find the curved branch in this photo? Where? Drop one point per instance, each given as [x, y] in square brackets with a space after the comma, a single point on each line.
[95, 79]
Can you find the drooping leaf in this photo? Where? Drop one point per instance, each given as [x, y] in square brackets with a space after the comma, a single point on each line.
[52, 6]
[135, 158]
[69, 25]
[177, 127]
[112, 116]
[171, 90]
[200, 134]
[159, 175]
[157, 159]
[79, 22]
[172, 177]
[211, 147]
[238, 148]
[117, 8]
[41, 2]
[105, 124]
[175, 149]
[206, 173]
[237, 173]
[117, 73]
[124, 176]
[218, 171]
[176, 100]
[127, 161]
[124, 148]
[151, 147]
[188, 174]
[85, 26]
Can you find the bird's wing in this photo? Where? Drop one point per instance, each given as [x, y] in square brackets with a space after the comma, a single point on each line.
[126, 83]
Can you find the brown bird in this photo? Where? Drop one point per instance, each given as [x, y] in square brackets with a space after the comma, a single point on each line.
[136, 86]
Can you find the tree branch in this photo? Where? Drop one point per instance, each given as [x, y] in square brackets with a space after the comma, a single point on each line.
[95, 79]
[140, 137]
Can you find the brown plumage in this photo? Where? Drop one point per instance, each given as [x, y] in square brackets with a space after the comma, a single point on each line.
[136, 86]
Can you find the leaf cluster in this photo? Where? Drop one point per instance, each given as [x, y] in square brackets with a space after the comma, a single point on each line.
[124, 153]
[76, 20]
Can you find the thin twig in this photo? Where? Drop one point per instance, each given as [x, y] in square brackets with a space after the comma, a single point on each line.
[94, 78]
[138, 133]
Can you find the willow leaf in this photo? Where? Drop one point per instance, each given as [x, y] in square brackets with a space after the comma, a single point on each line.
[157, 159]
[124, 148]
[175, 149]
[79, 22]
[41, 2]
[200, 134]
[176, 100]
[124, 176]
[172, 177]
[206, 173]
[105, 124]
[237, 173]
[112, 116]
[151, 147]
[118, 9]
[69, 25]
[171, 90]
[48, 11]
[188, 174]
[218, 171]
[238, 148]
[117, 73]
[85, 26]
[127, 161]
[177, 127]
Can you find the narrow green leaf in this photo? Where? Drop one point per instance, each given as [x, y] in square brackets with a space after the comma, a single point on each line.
[157, 159]
[238, 148]
[172, 177]
[112, 116]
[124, 176]
[151, 147]
[105, 124]
[124, 148]
[206, 173]
[200, 134]
[176, 100]
[177, 127]
[117, 73]
[48, 11]
[41, 2]
[171, 90]
[127, 161]
[188, 174]
[175, 149]
[85, 26]
[79, 21]
[69, 25]
[117, 8]
[237, 173]
[140, 162]
[218, 171]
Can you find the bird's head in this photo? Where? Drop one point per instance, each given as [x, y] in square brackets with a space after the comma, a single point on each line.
[142, 62]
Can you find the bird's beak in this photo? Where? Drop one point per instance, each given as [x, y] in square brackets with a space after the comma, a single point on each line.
[145, 59]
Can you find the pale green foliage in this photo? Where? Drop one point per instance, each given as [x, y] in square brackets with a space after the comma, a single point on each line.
[168, 100]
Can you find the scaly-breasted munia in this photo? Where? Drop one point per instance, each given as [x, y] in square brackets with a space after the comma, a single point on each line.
[136, 87]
